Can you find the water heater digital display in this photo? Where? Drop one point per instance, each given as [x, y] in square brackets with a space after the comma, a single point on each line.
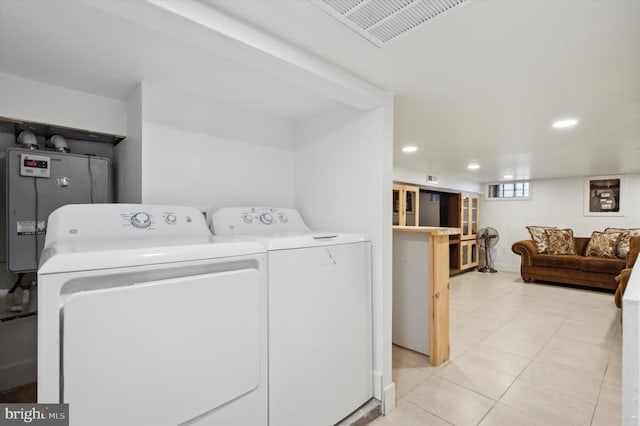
[35, 165]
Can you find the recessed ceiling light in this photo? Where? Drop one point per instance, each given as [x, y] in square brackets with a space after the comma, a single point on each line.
[409, 149]
[473, 166]
[563, 124]
[507, 177]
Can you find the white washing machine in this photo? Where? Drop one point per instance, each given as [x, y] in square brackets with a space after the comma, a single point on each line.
[143, 320]
[320, 330]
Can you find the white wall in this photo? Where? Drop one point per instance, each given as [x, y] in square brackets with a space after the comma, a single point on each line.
[127, 155]
[555, 202]
[343, 171]
[419, 177]
[31, 100]
[201, 153]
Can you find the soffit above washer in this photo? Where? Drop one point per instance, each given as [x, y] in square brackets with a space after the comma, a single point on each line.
[381, 22]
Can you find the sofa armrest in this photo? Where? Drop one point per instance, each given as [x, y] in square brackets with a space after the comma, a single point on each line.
[526, 249]
[622, 279]
[634, 249]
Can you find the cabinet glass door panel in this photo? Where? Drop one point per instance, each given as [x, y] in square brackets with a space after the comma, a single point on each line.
[411, 205]
[468, 254]
[464, 255]
[474, 215]
[396, 206]
[465, 215]
[474, 254]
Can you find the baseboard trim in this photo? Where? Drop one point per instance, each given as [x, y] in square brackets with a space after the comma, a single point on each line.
[505, 267]
[18, 374]
[389, 399]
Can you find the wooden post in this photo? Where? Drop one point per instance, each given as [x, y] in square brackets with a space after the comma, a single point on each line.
[439, 327]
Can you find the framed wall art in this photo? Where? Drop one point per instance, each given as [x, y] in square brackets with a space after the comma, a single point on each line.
[603, 196]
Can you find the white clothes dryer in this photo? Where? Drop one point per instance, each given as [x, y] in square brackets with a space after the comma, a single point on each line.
[320, 325]
[144, 321]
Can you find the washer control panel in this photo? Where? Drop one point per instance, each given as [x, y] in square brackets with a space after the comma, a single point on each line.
[256, 220]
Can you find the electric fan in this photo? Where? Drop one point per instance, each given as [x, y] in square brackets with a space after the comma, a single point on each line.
[487, 239]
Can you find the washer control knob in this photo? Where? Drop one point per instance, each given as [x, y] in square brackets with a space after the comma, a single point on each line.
[266, 218]
[283, 218]
[141, 220]
[171, 219]
[247, 218]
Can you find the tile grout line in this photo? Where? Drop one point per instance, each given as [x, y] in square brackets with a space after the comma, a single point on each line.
[524, 369]
[521, 371]
[595, 407]
[495, 402]
[528, 303]
[427, 411]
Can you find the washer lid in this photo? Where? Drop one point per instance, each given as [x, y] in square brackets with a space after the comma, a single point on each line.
[315, 240]
[299, 240]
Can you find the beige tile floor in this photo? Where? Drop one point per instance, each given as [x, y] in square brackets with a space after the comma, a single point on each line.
[521, 354]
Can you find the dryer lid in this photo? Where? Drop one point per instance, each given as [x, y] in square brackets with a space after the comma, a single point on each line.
[84, 237]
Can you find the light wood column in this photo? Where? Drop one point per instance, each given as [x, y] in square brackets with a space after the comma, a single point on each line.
[439, 326]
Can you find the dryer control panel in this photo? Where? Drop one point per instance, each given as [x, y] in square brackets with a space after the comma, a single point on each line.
[256, 221]
[150, 219]
[108, 222]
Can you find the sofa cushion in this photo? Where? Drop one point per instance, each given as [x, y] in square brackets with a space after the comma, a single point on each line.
[558, 261]
[623, 244]
[539, 237]
[581, 244]
[561, 241]
[602, 265]
[603, 244]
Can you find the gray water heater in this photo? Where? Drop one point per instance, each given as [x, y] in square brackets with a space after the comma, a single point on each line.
[38, 182]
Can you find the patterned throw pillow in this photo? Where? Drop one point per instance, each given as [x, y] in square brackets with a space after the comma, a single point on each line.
[603, 244]
[561, 241]
[539, 237]
[623, 243]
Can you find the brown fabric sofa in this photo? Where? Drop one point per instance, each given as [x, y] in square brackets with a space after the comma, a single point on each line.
[623, 278]
[568, 269]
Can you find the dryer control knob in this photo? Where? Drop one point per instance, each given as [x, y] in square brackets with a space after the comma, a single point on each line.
[283, 218]
[141, 220]
[247, 218]
[266, 218]
[171, 219]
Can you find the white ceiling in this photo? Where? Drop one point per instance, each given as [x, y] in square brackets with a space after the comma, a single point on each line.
[482, 83]
[86, 46]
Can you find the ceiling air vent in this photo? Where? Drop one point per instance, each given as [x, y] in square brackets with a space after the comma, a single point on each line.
[381, 21]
